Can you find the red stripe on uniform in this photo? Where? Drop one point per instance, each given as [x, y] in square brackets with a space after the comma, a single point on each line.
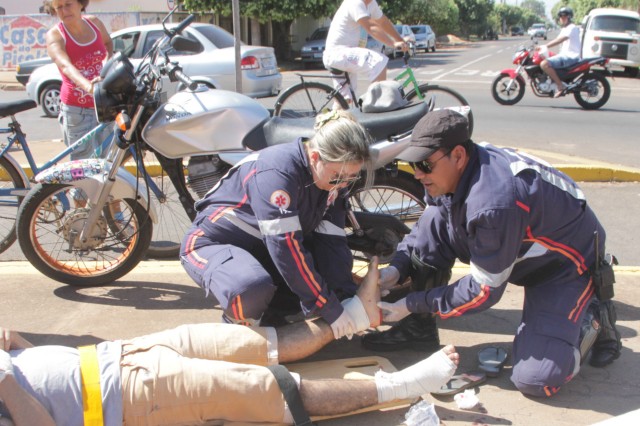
[565, 250]
[523, 206]
[308, 278]
[476, 301]
[583, 300]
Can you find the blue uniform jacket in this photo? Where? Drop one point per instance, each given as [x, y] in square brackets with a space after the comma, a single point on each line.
[512, 218]
[271, 195]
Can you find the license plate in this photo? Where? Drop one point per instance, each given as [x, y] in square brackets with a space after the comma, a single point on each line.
[267, 63]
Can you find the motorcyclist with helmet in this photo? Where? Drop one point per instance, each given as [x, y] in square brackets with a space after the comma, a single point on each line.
[569, 51]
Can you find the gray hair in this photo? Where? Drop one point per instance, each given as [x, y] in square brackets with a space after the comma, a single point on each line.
[340, 138]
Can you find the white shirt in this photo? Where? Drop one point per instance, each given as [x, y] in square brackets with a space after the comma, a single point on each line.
[571, 46]
[345, 30]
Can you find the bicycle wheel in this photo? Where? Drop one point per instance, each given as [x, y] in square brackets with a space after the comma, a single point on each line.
[10, 179]
[444, 97]
[173, 220]
[307, 100]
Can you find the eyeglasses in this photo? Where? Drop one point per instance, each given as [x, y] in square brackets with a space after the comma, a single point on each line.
[344, 180]
[425, 166]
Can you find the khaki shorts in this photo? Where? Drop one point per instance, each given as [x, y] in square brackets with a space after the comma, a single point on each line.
[201, 372]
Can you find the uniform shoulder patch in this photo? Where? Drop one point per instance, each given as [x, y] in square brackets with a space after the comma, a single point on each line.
[280, 199]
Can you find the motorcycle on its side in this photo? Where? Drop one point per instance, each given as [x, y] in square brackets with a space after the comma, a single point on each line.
[89, 222]
[590, 89]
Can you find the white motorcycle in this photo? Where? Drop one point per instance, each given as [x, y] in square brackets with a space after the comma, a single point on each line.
[89, 222]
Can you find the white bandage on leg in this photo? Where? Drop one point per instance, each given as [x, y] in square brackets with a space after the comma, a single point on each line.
[418, 379]
[358, 314]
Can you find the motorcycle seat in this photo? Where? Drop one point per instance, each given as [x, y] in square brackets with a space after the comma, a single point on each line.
[380, 125]
[11, 108]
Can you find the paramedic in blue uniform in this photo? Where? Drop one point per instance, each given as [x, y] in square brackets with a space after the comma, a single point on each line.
[275, 223]
[512, 218]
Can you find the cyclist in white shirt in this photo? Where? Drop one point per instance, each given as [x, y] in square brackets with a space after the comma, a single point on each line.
[346, 42]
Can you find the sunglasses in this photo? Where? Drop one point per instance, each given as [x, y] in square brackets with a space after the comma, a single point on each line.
[426, 166]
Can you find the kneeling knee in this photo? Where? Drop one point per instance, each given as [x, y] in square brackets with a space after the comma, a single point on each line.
[535, 390]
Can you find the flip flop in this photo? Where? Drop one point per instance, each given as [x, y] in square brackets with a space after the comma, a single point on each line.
[491, 360]
[460, 382]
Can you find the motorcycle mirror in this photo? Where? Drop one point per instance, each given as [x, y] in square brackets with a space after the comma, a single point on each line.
[185, 44]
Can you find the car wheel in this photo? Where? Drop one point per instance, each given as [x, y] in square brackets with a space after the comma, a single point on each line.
[433, 48]
[50, 99]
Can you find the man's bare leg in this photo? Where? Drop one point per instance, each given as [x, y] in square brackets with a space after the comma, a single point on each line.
[300, 340]
[548, 69]
[336, 396]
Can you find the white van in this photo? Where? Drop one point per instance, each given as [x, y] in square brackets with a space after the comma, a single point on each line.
[614, 34]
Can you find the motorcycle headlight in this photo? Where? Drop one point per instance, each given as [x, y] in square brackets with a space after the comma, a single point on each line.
[118, 83]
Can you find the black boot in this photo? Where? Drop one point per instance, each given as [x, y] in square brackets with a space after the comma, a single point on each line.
[417, 331]
[607, 347]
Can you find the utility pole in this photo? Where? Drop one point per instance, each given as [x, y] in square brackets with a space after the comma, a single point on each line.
[235, 11]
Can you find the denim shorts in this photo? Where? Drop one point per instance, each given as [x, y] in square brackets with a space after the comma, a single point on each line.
[561, 61]
[75, 122]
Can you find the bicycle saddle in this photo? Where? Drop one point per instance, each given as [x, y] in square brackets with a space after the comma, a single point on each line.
[10, 108]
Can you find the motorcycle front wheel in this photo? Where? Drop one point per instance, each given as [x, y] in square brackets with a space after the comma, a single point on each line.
[50, 221]
[594, 91]
[507, 91]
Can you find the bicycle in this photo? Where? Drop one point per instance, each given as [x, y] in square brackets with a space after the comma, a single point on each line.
[308, 98]
[15, 184]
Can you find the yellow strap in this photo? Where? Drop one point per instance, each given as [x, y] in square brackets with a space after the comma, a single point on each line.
[91, 395]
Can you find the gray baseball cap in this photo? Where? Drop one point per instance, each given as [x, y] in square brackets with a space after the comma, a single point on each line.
[443, 128]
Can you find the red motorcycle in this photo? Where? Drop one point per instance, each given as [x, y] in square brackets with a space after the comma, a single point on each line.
[590, 89]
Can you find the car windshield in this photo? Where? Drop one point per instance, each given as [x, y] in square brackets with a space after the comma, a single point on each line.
[616, 24]
[319, 34]
[419, 30]
[216, 35]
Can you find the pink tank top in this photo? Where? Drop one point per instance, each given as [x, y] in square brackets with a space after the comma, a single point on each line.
[87, 58]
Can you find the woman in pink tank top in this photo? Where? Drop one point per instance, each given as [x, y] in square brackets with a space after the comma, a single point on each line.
[78, 45]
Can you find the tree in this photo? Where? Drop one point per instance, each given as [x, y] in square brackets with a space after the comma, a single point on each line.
[535, 6]
[473, 16]
[281, 13]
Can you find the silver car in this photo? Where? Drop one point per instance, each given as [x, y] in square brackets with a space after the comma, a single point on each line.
[425, 37]
[213, 65]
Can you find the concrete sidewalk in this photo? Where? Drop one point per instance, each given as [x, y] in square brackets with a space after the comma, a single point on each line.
[159, 295]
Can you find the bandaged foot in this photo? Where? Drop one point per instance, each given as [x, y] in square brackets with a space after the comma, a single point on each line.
[424, 377]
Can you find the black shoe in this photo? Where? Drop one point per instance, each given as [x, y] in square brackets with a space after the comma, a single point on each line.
[417, 331]
[608, 345]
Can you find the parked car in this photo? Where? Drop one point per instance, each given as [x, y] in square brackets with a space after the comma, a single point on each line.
[425, 37]
[213, 65]
[377, 46]
[312, 50]
[407, 35]
[517, 31]
[614, 34]
[537, 31]
[24, 69]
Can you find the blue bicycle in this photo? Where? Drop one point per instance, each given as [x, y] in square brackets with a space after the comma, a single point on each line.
[15, 184]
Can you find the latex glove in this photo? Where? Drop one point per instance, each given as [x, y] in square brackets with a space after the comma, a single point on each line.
[343, 326]
[393, 312]
[6, 367]
[389, 278]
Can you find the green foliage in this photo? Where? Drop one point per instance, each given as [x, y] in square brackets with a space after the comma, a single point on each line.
[473, 16]
[265, 10]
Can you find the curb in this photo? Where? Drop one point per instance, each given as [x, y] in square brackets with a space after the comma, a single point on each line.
[577, 172]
